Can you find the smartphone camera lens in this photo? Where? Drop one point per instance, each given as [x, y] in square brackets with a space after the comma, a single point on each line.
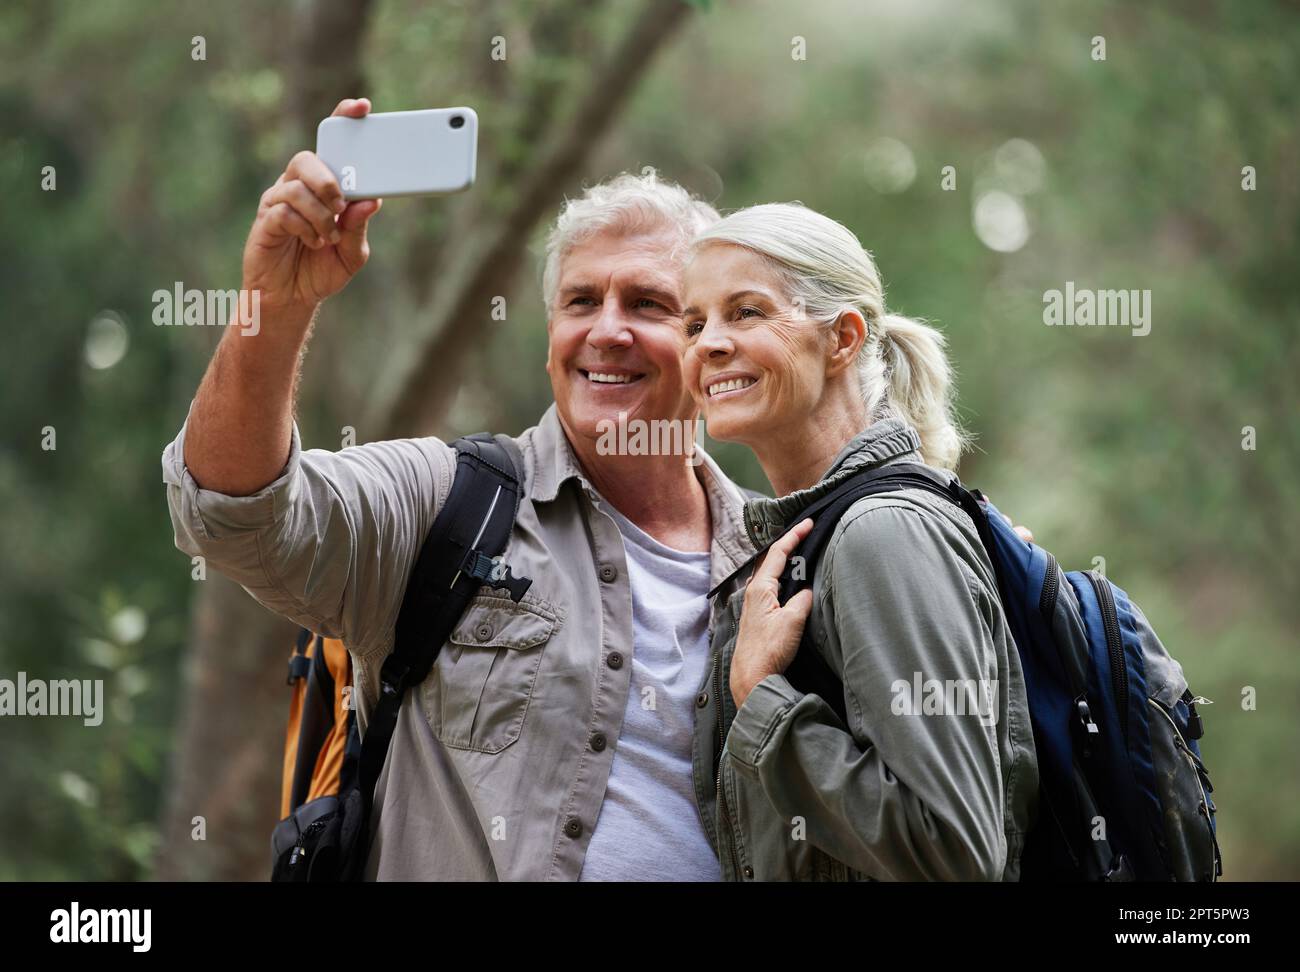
[457, 121]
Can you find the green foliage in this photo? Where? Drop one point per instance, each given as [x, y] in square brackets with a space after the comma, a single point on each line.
[1106, 444]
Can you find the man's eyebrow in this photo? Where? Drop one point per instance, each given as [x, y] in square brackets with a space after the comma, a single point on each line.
[578, 289]
[663, 296]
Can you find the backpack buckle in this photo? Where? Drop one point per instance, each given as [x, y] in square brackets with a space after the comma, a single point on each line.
[495, 574]
[299, 666]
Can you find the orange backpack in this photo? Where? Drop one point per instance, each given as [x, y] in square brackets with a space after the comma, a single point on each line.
[321, 717]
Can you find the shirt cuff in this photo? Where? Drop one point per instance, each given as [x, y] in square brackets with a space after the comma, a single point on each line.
[209, 515]
[757, 720]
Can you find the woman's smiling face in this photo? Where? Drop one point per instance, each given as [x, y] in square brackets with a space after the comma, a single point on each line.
[754, 363]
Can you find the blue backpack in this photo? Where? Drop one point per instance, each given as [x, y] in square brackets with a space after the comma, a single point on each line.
[1124, 794]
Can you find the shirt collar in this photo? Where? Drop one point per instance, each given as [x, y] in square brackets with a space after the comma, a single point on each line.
[889, 440]
[555, 463]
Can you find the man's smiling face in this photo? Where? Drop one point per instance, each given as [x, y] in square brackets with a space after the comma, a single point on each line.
[616, 339]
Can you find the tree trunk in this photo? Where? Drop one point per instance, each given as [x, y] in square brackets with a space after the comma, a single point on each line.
[226, 764]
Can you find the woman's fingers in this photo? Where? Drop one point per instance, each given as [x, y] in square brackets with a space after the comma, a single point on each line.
[769, 570]
[799, 606]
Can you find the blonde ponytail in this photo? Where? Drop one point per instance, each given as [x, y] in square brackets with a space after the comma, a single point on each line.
[920, 387]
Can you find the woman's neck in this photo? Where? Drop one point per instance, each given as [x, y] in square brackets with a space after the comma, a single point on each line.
[797, 457]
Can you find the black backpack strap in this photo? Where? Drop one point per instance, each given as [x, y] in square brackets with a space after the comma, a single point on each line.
[299, 663]
[457, 558]
[809, 672]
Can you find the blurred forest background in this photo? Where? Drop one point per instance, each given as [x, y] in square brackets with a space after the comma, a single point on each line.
[1122, 173]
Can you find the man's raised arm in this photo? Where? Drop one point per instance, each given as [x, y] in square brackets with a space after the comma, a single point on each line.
[297, 254]
[324, 538]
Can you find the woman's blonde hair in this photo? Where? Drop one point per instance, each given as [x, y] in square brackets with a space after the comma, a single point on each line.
[902, 366]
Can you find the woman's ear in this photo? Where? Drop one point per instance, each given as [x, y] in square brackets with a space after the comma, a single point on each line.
[847, 334]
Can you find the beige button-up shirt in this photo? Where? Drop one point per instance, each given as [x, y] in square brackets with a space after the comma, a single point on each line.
[491, 772]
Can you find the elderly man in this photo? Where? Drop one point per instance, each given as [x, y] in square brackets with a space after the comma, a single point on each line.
[572, 735]
[558, 743]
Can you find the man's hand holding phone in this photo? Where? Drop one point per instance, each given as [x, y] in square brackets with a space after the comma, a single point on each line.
[307, 241]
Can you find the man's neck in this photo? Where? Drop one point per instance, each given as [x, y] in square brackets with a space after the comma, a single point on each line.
[660, 494]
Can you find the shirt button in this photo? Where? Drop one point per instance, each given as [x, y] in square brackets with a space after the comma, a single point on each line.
[608, 572]
[573, 827]
[702, 700]
[614, 660]
[598, 742]
[749, 872]
[483, 632]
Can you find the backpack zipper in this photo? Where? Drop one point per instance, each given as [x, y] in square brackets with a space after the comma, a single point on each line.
[300, 848]
[1051, 587]
[1114, 647]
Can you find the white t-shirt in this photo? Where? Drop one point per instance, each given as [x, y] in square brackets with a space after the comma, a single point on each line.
[649, 825]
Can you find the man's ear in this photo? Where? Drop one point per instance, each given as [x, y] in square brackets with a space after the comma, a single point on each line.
[847, 334]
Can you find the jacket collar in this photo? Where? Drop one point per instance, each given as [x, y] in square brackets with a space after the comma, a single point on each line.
[554, 463]
[889, 440]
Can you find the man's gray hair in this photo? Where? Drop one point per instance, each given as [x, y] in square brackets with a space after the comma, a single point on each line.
[626, 204]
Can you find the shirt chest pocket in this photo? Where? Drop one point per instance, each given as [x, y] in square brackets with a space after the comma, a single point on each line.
[476, 696]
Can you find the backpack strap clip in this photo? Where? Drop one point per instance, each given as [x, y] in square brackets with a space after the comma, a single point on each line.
[495, 574]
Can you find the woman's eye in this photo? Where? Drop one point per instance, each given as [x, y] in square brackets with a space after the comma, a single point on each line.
[693, 328]
[749, 312]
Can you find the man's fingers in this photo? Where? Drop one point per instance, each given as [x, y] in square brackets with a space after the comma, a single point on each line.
[308, 168]
[309, 207]
[289, 221]
[352, 108]
[354, 249]
[358, 214]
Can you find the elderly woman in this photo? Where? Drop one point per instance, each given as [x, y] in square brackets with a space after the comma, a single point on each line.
[791, 352]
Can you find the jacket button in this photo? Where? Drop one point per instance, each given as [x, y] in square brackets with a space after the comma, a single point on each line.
[598, 742]
[614, 660]
[702, 700]
[573, 827]
[608, 572]
[749, 872]
[483, 632]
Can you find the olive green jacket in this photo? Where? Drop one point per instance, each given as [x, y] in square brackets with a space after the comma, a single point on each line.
[935, 776]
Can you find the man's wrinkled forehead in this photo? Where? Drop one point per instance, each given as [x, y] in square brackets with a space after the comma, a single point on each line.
[648, 264]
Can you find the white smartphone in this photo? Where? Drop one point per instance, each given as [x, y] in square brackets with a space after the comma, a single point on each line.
[401, 153]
